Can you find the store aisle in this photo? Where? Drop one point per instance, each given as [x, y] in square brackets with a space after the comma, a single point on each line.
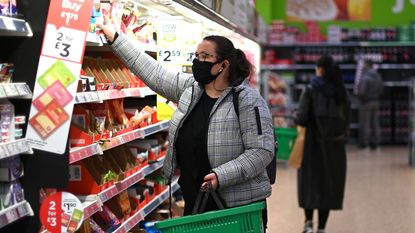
[380, 196]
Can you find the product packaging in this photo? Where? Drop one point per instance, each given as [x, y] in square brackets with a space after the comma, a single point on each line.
[11, 168]
[6, 72]
[106, 220]
[10, 194]
[7, 126]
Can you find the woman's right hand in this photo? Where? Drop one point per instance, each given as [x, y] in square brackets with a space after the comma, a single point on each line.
[108, 28]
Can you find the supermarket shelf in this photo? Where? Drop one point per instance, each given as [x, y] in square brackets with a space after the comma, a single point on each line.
[129, 181]
[342, 66]
[14, 213]
[15, 90]
[13, 148]
[301, 67]
[150, 207]
[99, 44]
[93, 204]
[396, 66]
[200, 8]
[136, 134]
[397, 84]
[99, 96]
[345, 44]
[14, 27]
[385, 84]
[80, 153]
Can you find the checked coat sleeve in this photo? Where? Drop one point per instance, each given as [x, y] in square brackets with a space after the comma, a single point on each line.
[167, 83]
[258, 140]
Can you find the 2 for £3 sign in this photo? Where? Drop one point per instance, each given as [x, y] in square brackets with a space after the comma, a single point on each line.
[57, 75]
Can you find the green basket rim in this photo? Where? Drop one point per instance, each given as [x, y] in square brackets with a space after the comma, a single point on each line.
[210, 215]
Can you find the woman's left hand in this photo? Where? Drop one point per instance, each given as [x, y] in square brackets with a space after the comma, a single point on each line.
[211, 177]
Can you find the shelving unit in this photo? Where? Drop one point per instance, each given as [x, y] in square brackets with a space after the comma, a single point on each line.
[19, 94]
[150, 207]
[342, 66]
[396, 77]
[93, 203]
[99, 96]
[345, 44]
[80, 153]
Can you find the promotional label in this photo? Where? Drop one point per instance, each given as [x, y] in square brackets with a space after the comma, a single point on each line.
[175, 46]
[58, 73]
[61, 212]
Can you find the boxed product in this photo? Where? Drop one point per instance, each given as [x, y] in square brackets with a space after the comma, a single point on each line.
[139, 195]
[10, 194]
[8, 7]
[109, 73]
[6, 72]
[106, 220]
[123, 157]
[120, 206]
[91, 176]
[7, 126]
[157, 181]
[95, 228]
[11, 168]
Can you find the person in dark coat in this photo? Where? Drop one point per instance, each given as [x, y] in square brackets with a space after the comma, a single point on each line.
[369, 94]
[324, 110]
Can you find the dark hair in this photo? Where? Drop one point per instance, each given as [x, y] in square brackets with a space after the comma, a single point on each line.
[240, 68]
[333, 74]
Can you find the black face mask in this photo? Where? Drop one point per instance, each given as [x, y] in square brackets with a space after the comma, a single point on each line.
[201, 71]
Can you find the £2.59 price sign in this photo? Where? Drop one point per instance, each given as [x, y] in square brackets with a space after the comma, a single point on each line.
[58, 73]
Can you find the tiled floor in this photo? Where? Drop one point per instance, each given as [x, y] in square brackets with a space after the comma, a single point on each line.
[380, 196]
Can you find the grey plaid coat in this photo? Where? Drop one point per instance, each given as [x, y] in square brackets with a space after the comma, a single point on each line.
[239, 149]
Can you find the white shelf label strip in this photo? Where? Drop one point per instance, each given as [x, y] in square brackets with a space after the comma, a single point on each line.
[15, 213]
[13, 148]
[99, 96]
[77, 154]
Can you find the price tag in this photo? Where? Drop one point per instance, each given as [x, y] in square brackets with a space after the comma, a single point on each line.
[11, 90]
[13, 148]
[95, 97]
[172, 56]
[11, 215]
[23, 89]
[22, 210]
[3, 151]
[103, 197]
[9, 23]
[2, 92]
[63, 43]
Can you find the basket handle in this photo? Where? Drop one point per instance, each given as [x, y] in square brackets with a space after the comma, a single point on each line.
[200, 204]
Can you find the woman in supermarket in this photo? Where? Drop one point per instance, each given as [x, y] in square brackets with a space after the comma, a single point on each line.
[324, 111]
[210, 142]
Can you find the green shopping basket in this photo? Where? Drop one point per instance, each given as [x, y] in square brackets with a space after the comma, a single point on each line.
[286, 138]
[243, 219]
